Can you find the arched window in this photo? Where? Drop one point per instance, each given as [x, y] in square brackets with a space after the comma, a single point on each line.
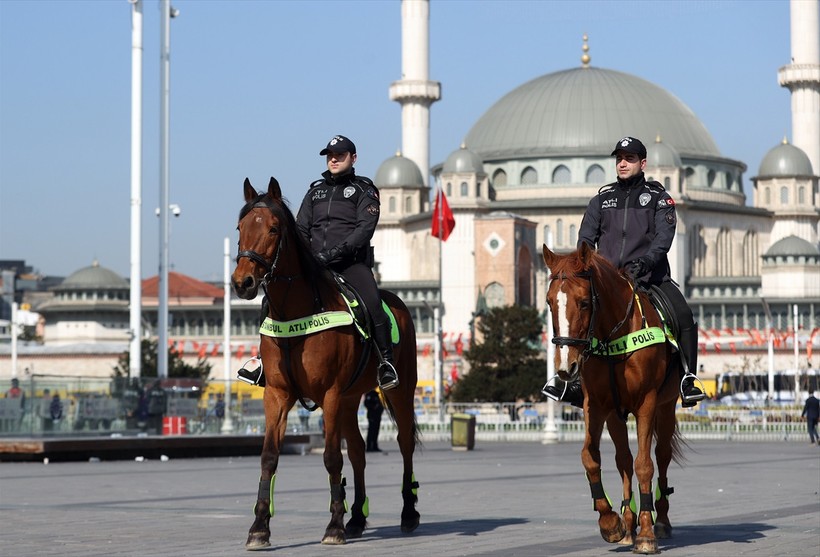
[697, 251]
[784, 195]
[449, 189]
[730, 181]
[499, 178]
[391, 204]
[595, 174]
[561, 175]
[525, 277]
[547, 240]
[529, 176]
[767, 196]
[667, 183]
[465, 189]
[478, 189]
[710, 178]
[723, 253]
[751, 257]
[494, 294]
[559, 232]
[573, 235]
[801, 195]
[408, 204]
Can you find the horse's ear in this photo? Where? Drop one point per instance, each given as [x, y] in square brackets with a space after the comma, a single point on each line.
[549, 257]
[585, 253]
[250, 193]
[273, 189]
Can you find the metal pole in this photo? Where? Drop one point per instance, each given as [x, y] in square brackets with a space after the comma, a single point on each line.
[550, 428]
[14, 339]
[227, 423]
[439, 353]
[135, 346]
[796, 359]
[164, 190]
[770, 327]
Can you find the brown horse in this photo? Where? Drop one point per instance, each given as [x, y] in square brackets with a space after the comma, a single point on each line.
[609, 334]
[332, 367]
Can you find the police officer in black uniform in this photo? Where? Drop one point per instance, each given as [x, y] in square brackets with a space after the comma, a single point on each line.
[338, 217]
[632, 223]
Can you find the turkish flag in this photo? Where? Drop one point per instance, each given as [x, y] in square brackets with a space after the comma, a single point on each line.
[443, 219]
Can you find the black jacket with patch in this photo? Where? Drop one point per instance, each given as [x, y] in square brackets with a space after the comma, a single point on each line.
[340, 211]
[629, 219]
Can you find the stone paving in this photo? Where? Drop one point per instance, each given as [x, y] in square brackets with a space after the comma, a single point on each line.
[501, 499]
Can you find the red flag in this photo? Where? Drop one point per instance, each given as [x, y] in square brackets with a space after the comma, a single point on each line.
[443, 220]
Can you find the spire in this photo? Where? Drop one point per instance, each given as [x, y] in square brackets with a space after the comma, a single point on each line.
[585, 58]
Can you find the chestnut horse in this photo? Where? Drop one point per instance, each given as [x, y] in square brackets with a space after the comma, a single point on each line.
[333, 367]
[608, 334]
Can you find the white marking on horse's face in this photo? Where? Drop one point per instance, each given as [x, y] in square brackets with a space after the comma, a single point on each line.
[563, 328]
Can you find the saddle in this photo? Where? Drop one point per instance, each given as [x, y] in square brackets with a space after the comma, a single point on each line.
[664, 307]
[361, 317]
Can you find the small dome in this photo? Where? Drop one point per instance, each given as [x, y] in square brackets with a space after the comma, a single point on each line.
[463, 160]
[792, 245]
[785, 160]
[662, 154]
[398, 171]
[93, 278]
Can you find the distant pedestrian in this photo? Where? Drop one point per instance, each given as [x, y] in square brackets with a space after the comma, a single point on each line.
[374, 419]
[55, 410]
[811, 411]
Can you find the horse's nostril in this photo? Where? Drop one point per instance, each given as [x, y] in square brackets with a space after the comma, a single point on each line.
[247, 283]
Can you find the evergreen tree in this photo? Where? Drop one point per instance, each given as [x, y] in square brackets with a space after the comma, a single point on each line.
[507, 364]
[177, 367]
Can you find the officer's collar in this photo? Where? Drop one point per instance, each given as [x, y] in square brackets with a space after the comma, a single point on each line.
[339, 178]
[632, 181]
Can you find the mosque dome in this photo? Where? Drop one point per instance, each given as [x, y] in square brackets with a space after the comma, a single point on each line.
[463, 160]
[398, 171]
[662, 154]
[584, 111]
[785, 160]
[794, 246]
[93, 277]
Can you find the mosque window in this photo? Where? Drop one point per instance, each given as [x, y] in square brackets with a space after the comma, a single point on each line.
[801, 195]
[465, 189]
[547, 236]
[529, 176]
[667, 183]
[751, 259]
[573, 235]
[525, 277]
[559, 232]
[710, 178]
[767, 196]
[494, 294]
[449, 189]
[391, 204]
[561, 175]
[478, 189]
[499, 178]
[730, 181]
[408, 204]
[723, 253]
[697, 249]
[784, 195]
[595, 174]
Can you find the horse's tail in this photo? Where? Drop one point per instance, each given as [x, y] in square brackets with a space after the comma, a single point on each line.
[676, 444]
[392, 413]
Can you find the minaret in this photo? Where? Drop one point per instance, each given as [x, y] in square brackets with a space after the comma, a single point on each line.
[802, 78]
[415, 92]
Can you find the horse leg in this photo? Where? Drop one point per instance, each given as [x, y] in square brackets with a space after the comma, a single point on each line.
[276, 413]
[401, 402]
[609, 522]
[335, 531]
[645, 542]
[623, 460]
[355, 453]
[665, 428]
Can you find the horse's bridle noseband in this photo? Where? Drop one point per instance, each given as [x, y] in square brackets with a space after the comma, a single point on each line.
[256, 257]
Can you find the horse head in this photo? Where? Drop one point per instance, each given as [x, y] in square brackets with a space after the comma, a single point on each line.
[261, 224]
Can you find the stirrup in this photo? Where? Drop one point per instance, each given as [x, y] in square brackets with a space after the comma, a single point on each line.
[691, 400]
[252, 376]
[549, 394]
[391, 383]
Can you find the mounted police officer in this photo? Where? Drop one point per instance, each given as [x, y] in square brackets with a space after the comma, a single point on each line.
[632, 223]
[338, 217]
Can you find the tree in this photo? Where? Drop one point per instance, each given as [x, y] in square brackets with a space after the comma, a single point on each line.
[177, 367]
[507, 364]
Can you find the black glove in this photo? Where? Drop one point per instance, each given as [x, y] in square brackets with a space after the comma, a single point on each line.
[328, 257]
[641, 266]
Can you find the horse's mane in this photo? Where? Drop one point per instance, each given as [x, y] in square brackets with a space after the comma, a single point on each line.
[311, 268]
[573, 264]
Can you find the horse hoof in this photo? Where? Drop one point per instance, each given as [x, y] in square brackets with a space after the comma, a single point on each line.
[646, 546]
[663, 531]
[353, 531]
[628, 539]
[334, 540]
[615, 535]
[410, 522]
[257, 541]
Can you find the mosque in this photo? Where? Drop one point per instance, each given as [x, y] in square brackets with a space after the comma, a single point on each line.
[522, 178]
[530, 164]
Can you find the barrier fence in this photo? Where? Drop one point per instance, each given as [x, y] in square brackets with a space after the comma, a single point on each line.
[59, 406]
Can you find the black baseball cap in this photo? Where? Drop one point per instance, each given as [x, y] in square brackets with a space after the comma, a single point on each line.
[339, 144]
[630, 145]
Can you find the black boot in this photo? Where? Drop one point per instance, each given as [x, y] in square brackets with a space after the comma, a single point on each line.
[570, 392]
[251, 372]
[690, 394]
[388, 376]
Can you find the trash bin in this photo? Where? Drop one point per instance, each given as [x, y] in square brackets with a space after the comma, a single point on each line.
[462, 429]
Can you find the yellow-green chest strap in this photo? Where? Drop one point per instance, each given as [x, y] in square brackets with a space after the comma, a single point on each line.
[629, 343]
[305, 325]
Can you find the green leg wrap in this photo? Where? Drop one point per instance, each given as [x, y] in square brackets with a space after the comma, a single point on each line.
[266, 492]
[629, 504]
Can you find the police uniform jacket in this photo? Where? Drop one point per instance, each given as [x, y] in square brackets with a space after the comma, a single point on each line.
[629, 219]
[342, 212]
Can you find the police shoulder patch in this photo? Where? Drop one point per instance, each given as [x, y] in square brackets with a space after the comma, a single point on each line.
[373, 209]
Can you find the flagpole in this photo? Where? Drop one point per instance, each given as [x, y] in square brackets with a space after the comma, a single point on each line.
[437, 314]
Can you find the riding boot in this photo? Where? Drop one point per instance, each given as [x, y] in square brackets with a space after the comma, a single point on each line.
[388, 376]
[569, 392]
[690, 394]
[251, 372]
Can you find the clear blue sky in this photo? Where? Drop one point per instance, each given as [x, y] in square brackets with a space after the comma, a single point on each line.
[258, 88]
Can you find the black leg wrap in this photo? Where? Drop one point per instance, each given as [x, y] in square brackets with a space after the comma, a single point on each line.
[264, 489]
[597, 490]
[337, 491]
[666, 492]
[647, 502]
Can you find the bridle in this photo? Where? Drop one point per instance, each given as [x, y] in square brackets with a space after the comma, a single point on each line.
[600, 348]
[256, 257]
